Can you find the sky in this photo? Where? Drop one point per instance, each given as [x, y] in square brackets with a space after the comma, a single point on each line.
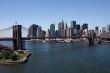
[46, 12]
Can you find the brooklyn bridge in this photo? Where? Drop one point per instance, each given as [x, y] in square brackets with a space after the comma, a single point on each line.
[18, 33]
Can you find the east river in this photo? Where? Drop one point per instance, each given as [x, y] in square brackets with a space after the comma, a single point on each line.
[63, 58]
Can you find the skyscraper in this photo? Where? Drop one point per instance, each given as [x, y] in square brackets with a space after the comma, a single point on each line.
[85, 26]
[57, 33]
[68, 32]
[52, 30]
[108, 28]
[104, 33]
[32, 30]
[35, 31]
[73, 24]
[78, 29]
[65, 29]
[47, 34]
[85, 29]
[39, 31]
[78, 26]
[103, 29]
[97, 30]
[61, 29]
[61, 25]
[73, 28]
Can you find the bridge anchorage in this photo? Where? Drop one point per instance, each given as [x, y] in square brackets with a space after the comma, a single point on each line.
[91, 38]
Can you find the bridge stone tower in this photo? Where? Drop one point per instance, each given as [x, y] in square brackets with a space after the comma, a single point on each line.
[17, 34]
[91, 37]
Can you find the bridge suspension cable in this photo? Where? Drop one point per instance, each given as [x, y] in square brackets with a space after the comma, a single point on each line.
[5, 29]
[24, 31]
[7, 32]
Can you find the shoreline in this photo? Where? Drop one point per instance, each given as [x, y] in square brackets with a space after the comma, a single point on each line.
[20, 61]
[64, 41]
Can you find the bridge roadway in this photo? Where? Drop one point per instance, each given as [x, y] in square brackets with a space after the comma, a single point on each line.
[6, 39]
[26, 38]
[29, 38]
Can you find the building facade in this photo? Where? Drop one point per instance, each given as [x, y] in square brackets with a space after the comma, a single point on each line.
[52, 30]
[32, 31]
[61, 29]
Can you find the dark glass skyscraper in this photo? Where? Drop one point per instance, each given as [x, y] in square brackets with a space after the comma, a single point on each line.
[32, 31]
[85, 26]
[73, 24]
[97, 28]
[78, 27]
[35, 31]
[52, 30]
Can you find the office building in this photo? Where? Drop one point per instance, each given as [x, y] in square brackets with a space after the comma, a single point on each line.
[68, 32]
[78, 29]
[108, 28]
[65, 29]
[85, 26]
[52, 30]
[78, 26]
[97, 31]
[32, 30]
[47, 34]
[57, 33]
[39, 32]
[103, 29]
[73, 28]
[61, 25]
[61, 29]
[73, 24]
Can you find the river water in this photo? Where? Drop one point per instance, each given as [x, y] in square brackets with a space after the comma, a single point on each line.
[63, 58]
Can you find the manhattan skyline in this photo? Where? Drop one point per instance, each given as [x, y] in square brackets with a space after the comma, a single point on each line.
[44, 13]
